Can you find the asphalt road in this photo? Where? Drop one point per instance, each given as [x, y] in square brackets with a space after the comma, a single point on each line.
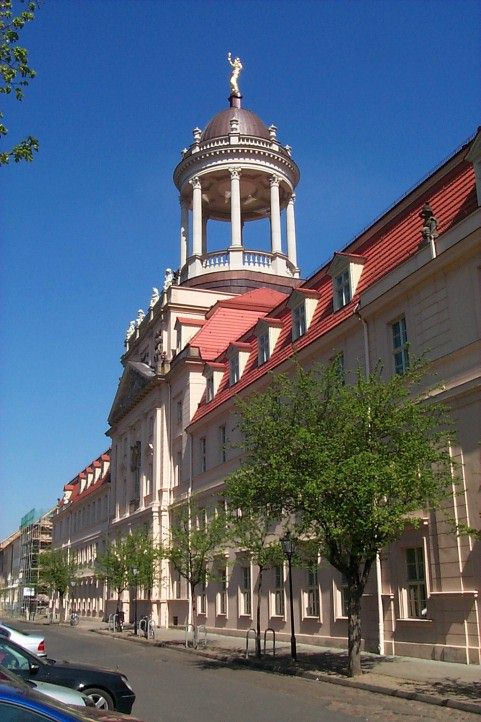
[174, 686]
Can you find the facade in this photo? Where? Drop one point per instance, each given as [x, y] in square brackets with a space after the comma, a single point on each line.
[80, 524]
[409, 283]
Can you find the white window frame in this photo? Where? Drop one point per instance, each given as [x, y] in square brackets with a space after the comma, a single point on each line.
[400, 345]
[203, 454]
[311, 593]
[234, 372]
[222, 595]
[264, 348]
[222, 443]
[209, 388]
[245, 591]
[342, 283]
[299, 321]
[417, 590]
[278, 595]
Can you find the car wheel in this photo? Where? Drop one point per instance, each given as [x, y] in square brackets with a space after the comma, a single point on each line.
[100, 698]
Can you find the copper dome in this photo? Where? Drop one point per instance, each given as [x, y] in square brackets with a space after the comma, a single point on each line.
[249, 124]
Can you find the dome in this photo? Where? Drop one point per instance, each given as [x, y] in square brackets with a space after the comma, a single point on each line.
[249, 124]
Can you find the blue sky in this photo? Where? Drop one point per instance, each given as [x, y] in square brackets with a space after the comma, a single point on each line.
[370, 95]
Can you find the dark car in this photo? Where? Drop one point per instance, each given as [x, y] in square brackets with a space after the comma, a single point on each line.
[26, 705]
[106, 688]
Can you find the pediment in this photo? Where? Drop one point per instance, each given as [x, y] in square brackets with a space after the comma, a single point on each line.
[137, 377]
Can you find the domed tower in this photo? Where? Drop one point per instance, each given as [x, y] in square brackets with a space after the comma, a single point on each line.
[235, 172]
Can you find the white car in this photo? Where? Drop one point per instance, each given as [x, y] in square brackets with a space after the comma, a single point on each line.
[34, 643]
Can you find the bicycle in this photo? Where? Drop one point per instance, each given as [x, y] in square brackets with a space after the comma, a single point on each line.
[147, 626]
[74, 619]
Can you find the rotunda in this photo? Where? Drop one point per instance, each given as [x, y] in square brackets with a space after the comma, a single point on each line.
[236, 172]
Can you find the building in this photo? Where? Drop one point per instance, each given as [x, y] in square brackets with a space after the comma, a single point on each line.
[35, 537]
[226, 318]
[80, 525]
[9, 573]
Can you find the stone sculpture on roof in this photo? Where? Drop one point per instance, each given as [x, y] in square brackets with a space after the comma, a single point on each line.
[430, 224]
[236, 66]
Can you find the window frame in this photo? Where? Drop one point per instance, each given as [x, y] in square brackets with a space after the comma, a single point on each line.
[245, 591]
[264, 352]
[416, 584]
[400, 345]
[299, 321]
[234, 369]
[343, 290]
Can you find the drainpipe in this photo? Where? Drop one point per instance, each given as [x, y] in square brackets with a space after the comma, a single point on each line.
[380, 610]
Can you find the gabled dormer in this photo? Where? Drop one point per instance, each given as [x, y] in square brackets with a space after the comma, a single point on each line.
[303, 303]
[186, 328]
[345, 270]
[267, 331]
[237, 356]
[213, 373]
[474, 157]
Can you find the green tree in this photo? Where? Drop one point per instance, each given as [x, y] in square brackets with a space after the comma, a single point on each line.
[136, 550]
[350, 463]
[252, 532]
[15, 70]
[57, 568]
[195, 540]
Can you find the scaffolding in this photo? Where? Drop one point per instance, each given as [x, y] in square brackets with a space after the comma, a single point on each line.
[36, 537]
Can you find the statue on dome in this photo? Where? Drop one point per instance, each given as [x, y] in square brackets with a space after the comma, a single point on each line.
[168, 278]
[236, 66]
[155, 297]
[130, 331]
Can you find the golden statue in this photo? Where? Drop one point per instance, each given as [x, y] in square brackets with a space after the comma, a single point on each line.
[236, 66]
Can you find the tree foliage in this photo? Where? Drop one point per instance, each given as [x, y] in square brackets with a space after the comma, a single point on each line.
[196, 539]
[15, 70]
[116, 565]
[351, 463]
[57, 568]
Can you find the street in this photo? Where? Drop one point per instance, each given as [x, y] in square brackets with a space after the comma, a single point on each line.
[173, 686]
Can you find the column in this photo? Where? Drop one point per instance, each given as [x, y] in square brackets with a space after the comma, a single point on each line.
[275, 216]
[184, 231]
[196, 216]
[235, 207]
[291, 231]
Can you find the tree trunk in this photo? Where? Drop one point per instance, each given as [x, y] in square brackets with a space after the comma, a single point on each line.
[61, 611]
[193, 601]
[354, 631]
[258, 612]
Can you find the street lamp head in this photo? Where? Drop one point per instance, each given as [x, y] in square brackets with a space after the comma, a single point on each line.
[135, 571]
[288, 544]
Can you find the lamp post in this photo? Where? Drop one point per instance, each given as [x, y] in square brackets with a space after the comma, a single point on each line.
[135, 572]
[288, 547]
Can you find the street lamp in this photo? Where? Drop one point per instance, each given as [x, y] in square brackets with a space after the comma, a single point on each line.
[288, 547]
[135, 572]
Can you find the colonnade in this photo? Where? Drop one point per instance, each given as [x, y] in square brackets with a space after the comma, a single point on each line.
[199, 223]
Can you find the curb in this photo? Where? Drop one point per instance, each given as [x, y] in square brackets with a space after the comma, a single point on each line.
[306, 674]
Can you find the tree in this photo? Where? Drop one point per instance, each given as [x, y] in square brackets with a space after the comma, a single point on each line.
[133, 551]
[350, 463]
[57, 568]
[194, 542]
[252, 532]
[15, 70]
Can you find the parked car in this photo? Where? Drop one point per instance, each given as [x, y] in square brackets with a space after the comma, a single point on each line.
[30, 706]
[28, 640]
[108, 689]
[54, 691]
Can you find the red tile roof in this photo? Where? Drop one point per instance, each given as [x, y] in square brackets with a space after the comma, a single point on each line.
[74, 485]
[451, 192]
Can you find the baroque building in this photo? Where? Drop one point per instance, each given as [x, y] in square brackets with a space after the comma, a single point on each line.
[410, 283]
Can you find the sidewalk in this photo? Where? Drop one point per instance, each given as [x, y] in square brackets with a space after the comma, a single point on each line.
[440, 683]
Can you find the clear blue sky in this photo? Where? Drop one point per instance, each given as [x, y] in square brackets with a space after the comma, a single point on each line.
[370, 95]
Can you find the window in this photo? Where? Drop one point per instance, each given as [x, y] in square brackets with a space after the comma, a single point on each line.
[400, 346]
[176, 588]
[178, 413]
[299, 321]
[279, 604]
[234, 369]
[246, 591]
[312, 593]
[222, 595]
[203, 596]
[16, 713]
[209, 390]
[179, 467]
[417, 597]
[201, 519]
[264, 351]
[343, 597]
[343, 289]
[222, 443]
[203, 453]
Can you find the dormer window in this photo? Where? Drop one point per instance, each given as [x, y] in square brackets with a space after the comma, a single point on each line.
[213, 373]
[234, 369]
[264, 351]
[299, 326]
[343, 289]
[345, 270]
